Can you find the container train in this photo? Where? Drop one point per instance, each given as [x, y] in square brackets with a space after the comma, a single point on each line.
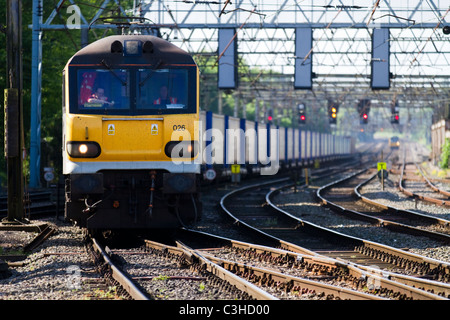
[136, 145]
[263, 148]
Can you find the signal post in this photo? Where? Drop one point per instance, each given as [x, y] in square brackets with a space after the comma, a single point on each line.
[13, 112]
[14, 135]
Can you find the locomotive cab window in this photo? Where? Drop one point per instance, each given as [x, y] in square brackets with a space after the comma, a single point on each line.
[100, 89]
[162, 89]
[133, 90]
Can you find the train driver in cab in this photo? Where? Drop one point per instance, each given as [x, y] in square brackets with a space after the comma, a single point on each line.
[99, 97]
[164, 98]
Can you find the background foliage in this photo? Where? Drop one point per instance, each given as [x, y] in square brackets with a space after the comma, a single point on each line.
[445, 156]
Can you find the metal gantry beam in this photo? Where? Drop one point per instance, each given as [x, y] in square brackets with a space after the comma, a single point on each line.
[341, 53]
[292, 13]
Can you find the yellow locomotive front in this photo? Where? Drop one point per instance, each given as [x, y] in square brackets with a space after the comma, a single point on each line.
[130, 134]
[394, 142]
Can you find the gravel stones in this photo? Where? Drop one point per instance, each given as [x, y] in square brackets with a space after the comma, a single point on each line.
[56, 270]
[167, 279]
[302, 205]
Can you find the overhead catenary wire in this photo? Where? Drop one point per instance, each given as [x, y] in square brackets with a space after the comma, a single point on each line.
[429, 38]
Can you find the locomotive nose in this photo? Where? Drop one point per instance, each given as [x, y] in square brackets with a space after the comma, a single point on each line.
[125, 139]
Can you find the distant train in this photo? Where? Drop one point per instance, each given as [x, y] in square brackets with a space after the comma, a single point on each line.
[136, 146]
[394, 142]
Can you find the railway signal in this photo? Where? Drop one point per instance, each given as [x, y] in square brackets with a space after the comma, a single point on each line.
[364, 118]
[269, 116]
[363, 110]
[302, 119]
[446, 29]
[333, 109]
[395, 118]
[333, 115]
[301, 114]
[14, 114]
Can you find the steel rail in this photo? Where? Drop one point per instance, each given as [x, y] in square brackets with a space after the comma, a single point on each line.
[40, 238]
[432, 186]
[420, 289]
[419, 196]
[424, 284]
[399, 227]
[301, 282]
[429, 218]
[238, 221]
[195, 255]
[354, 269]
[274, 251]
[267, 275]
[36, 202]
[119, 276]
[401, 253]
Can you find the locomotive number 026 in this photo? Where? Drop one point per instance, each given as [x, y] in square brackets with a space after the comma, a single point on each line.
[179, 127]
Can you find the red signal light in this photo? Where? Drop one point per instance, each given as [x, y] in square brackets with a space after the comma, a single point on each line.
[302, 117]
[365, 116]
[396, 117]
[269, 118]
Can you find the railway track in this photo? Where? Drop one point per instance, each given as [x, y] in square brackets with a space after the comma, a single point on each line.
[301, 272]
[163, 272]
[240, 280]
[113, 273]
[409, 181]
[414, 183]
[343, 197]
[307, 238]
[439, 227]
[189, 257]
[275, 271]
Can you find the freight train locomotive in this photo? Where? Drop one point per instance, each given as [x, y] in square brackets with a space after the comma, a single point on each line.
[135, 144]
[130, 120]
[394, 142]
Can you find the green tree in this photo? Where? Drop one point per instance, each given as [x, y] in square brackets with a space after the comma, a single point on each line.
[445, 155]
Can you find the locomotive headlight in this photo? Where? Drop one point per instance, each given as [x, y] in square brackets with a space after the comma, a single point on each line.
[81, 149]
[181, 149]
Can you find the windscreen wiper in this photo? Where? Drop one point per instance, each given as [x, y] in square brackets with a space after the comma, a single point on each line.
[151, 73]
[103, 62]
